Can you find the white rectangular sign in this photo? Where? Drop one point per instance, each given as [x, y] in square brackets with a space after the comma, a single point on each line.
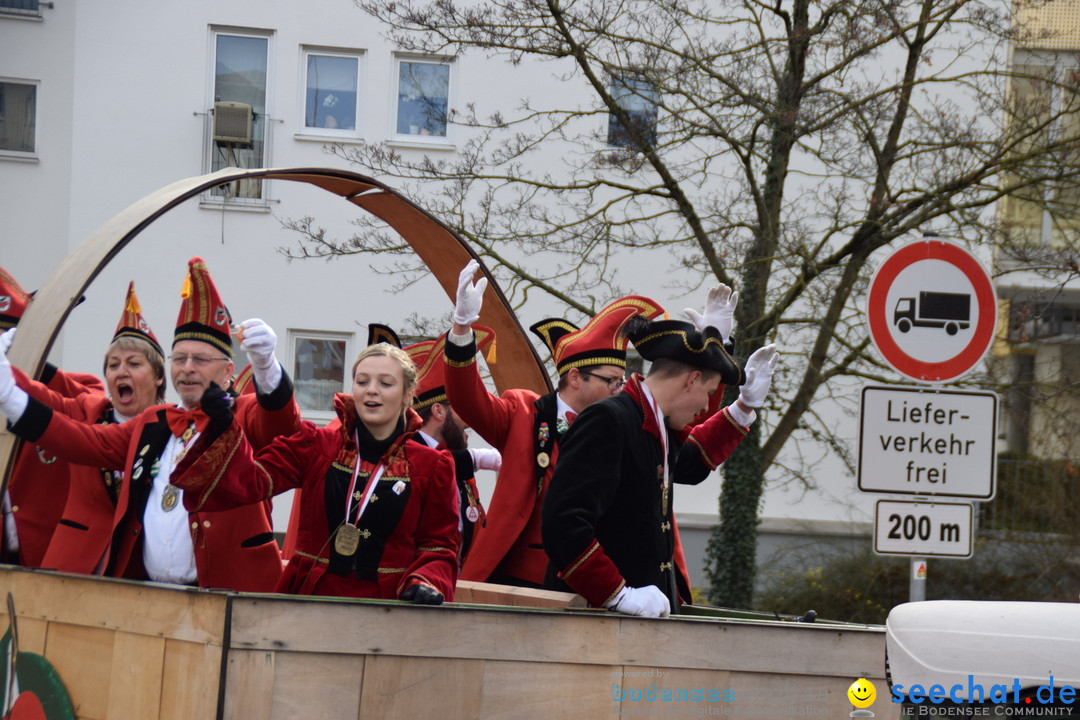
[904, 527]
[917, 441]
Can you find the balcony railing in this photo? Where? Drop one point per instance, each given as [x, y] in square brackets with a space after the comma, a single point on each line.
[29, 8]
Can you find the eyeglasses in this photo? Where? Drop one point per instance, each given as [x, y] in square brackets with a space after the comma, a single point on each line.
[199, 360]
[613, 383]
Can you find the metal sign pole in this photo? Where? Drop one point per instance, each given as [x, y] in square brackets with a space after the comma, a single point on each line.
[917, 585]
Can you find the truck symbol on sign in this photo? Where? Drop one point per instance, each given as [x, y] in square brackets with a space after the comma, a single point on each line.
[951, 311]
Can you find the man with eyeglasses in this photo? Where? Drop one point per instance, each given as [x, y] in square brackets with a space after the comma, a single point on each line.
[153, 536]
[526, 427]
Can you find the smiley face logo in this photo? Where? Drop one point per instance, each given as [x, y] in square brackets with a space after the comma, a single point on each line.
[862, 693]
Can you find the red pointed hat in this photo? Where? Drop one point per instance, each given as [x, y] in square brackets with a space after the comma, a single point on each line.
[203, 315]
[132, 323]
[600, 342]
[431, 368]
[13, 301]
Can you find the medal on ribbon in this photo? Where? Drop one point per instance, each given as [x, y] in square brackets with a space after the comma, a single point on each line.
[170, 498]
[346, 539]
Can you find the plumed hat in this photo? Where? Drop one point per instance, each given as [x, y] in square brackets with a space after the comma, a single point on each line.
[13, 301]
[203, 315]
[601, 341]
[431, 368]
[132, 323]
[682, 341]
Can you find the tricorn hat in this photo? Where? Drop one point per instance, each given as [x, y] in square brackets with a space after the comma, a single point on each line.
[601, 341]
[203, 315]
[382, 334]
[431, 367]
[682, 341]
[132, 323]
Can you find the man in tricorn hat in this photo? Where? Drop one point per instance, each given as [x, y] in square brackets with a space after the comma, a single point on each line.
[526, 427]
[152, 536]
[608, 520]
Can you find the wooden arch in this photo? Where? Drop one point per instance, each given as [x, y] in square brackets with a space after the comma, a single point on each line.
[439, 247]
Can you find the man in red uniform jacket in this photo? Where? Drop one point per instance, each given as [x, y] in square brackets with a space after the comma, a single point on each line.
[153, 538]
[444, 429]
[525, 427]
[38, 484]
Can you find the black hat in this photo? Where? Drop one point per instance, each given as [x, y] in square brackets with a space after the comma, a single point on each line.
[682, 341]
[378, 333]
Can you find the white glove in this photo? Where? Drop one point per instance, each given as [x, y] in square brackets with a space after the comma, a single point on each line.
[719, 311]
[470, 296]
[13, 399]
[759, 370]
[645, 601]
[486, 458]
[258, 340]
[6, 339]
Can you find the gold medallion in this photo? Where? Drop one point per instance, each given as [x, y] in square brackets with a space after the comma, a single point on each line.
[543, 459]
[346, 540]
[170, 498]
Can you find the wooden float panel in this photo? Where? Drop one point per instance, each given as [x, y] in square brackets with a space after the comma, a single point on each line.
[112, 645]
[475, 662]
[123, 650]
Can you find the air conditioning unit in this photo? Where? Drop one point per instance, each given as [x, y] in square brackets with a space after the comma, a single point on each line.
[232, 123]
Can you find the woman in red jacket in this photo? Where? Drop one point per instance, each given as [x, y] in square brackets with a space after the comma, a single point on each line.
[379, 511]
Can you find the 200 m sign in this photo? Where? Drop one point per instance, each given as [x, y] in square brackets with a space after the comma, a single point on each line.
[923, 529]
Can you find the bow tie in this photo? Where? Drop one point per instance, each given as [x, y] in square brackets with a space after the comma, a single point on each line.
[180, 420]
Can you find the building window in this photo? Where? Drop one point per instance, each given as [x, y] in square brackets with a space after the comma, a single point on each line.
[238, 115]
[319, 370]
[423, 97]
[1045, 105]
[18, 118]
[331, 93]
[639, 99]
[22, 8]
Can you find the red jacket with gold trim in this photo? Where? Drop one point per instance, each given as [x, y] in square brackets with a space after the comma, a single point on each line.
[509, 424]
[408, 531]
[40, 481]
[233, 550]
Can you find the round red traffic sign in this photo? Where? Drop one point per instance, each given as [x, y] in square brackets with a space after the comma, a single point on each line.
[932, 310]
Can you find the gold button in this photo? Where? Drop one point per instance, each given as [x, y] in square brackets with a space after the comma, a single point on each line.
[14, 508]
[194, 526]
[206, 523]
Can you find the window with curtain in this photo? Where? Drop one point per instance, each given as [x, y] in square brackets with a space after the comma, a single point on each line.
[422, 98]
[331, 93]
[18, 116]
[319, 371]
[639, 99]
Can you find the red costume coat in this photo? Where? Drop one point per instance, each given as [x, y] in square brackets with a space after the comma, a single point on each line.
[510, 542]
[233, 550]
[39, 482]
[409, 529]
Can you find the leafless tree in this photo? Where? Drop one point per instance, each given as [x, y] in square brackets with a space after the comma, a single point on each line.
[772, 146]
